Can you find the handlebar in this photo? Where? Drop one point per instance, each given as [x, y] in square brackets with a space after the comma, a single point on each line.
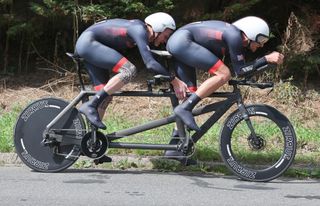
[248, 80]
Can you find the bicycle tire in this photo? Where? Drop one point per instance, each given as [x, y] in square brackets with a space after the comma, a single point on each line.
[240, 156]
[28, 135]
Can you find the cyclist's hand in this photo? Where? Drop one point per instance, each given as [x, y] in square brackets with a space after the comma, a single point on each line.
[180, 88]
[274, 58]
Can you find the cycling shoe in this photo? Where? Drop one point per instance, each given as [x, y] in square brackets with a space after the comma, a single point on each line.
[102, 159]
[187, 117]
[92, 114]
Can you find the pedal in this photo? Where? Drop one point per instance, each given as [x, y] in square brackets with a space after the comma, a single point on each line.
[102, 159]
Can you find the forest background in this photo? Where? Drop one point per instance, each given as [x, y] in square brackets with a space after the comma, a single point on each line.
[38, 30]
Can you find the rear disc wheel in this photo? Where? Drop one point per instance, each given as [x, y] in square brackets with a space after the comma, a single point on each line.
[61, 152]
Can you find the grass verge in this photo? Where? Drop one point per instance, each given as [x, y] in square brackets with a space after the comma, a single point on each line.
[7, 124]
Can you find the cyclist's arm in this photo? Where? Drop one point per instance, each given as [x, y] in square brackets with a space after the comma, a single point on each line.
[139, 35]
[261, 63]
[251, 67]
[237, 57]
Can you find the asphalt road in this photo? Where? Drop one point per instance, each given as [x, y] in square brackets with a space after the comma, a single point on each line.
[21, 186]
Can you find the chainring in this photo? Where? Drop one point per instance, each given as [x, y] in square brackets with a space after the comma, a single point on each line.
[96, 149]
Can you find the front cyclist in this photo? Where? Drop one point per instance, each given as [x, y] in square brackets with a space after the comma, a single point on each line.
[204, 44]
[101, 47]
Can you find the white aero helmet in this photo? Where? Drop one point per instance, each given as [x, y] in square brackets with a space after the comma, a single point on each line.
[160, 21]
[255, 28]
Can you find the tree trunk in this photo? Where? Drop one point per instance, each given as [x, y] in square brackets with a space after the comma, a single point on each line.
[6, 56]
[318, 70]
[27, 58]
[20, 54]
[305, 80]
[7, 45]
[75, 23]
[55, 55]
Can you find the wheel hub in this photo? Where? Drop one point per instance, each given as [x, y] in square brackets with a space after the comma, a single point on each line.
[257, 143]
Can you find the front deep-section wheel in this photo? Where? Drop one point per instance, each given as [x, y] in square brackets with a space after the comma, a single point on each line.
[263, 152]
[62, 146]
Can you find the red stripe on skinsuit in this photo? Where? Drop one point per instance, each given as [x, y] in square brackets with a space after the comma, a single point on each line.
[218, 35]
[215, 67]
[98, 87]
[192, 89]
[121, 62]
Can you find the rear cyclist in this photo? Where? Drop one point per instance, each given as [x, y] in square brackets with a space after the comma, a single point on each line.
[101, 45]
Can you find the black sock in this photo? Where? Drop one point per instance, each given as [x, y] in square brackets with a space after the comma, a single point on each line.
[98, 98]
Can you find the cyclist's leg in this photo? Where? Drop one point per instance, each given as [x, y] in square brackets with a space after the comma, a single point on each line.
[99, 77]
[187, 74]
[102, 56]
[219, 77]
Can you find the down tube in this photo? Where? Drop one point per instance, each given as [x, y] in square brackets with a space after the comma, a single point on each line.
[142, 128]
[219, 112]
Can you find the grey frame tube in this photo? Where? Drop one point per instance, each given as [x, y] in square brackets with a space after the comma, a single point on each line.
[73, 103]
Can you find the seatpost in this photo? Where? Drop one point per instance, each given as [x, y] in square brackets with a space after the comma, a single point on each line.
[77, 62]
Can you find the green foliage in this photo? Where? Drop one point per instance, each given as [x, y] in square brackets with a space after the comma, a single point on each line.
[94, 12]
[89, 11]
[303, 173]
[125, 164]
[301, 63]
[20, 28]
[81, 164]
[6, 2]
[166, 165]
[232, 10]
[7, 123]
[165, 5]
[287, 93]
[52, 8]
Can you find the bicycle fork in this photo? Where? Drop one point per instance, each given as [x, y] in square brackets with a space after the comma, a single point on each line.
[254, 140]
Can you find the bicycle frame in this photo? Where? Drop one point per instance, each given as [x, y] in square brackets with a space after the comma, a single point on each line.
[219, 108]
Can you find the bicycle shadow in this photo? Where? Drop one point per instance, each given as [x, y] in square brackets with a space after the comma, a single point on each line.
[195, 179]
[279, 180]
